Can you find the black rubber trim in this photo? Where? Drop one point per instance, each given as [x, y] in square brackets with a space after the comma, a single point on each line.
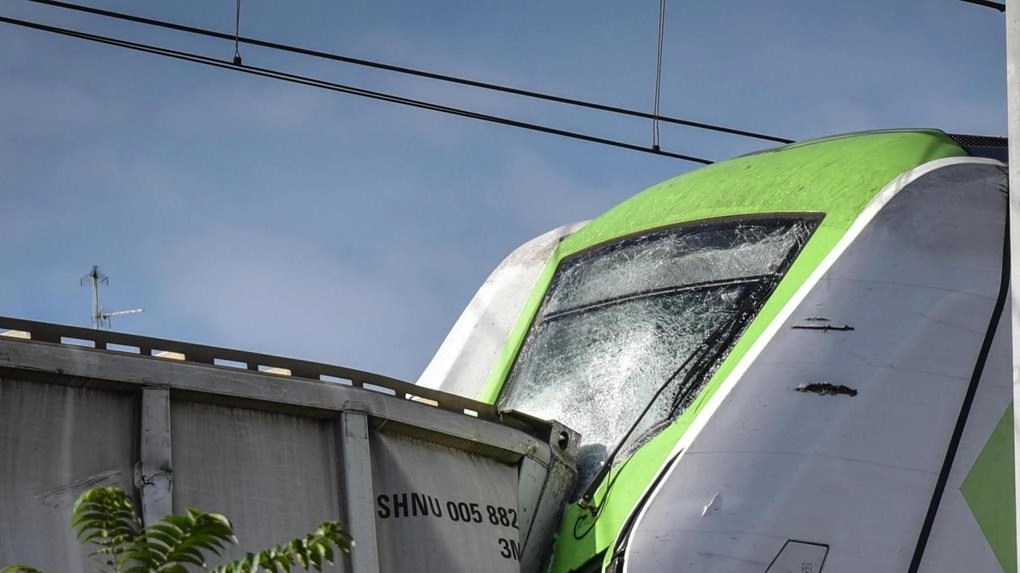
[968, 400]
[620, 545]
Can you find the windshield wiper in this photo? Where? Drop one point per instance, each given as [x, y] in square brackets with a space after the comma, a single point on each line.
[706, 354]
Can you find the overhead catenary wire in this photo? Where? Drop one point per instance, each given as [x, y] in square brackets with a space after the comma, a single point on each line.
[237, 33]
[987, 4]
[658, 76]
[411, 71]
[313, 82]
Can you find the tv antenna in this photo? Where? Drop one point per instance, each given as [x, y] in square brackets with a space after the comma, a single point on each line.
[101, 318]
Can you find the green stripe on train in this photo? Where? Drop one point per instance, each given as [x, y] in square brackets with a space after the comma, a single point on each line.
[990, 494]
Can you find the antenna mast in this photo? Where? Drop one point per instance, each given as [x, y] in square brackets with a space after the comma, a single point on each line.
[100, 318]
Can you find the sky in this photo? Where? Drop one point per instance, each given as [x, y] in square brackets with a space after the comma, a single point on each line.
[248, 213]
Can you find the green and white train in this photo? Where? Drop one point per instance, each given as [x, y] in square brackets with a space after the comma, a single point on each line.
[793, 361]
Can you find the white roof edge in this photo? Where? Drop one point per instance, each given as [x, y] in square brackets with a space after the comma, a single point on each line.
[463, 361]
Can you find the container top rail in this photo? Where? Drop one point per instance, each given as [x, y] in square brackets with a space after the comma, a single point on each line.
[162, 349]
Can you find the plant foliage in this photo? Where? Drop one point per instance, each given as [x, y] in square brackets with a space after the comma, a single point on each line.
[179, 540]
[311, 552]
[19, 569]
[106, 519]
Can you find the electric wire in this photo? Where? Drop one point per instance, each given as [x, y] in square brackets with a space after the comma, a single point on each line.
[237, 33]
[987, 4]
[658, 77]
[411, 71]
[312, 82]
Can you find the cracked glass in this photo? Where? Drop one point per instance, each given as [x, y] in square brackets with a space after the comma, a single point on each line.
[630, 331]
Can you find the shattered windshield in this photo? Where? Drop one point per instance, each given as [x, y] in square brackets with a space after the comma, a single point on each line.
[619, 320]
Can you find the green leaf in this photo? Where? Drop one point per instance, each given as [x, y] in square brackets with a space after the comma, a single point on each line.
[312, 551]
[179, 540]
[327, 552]
[105, 518]
[19, 569]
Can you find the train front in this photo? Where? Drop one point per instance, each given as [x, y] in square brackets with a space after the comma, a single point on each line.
[793, 361]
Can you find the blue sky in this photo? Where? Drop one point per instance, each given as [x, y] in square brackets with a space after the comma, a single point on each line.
[248, 213]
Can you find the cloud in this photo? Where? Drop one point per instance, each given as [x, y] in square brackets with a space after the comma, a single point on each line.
[44, 109]
[530, 192]
[248, 104]
[285, 295]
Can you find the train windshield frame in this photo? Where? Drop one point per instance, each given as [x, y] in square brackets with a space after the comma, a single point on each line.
[630, 331]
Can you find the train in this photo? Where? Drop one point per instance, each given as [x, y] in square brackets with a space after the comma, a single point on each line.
[797, 360]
